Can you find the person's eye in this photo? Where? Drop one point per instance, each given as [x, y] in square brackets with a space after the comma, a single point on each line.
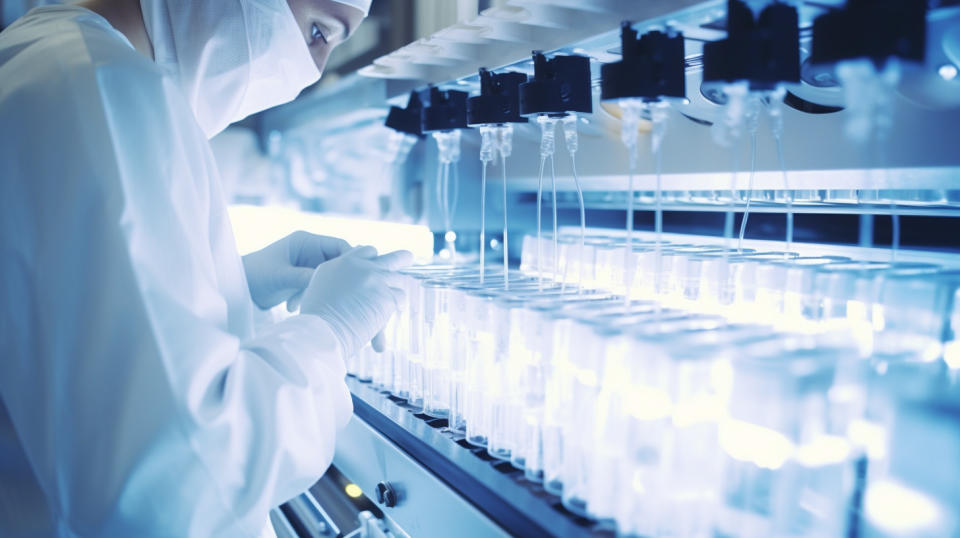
[316, 34]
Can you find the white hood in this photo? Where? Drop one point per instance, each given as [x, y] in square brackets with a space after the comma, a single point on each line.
[232, 58]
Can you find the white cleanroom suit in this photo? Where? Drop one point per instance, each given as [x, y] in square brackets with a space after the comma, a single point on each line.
[137, 395]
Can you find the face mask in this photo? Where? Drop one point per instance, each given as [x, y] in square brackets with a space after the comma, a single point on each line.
[232, 58]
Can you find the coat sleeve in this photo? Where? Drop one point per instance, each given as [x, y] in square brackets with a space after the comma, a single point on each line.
[144, 400]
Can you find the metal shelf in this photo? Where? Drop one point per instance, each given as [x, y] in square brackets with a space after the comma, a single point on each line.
[683, 201]
[447, 487]
[943, 178]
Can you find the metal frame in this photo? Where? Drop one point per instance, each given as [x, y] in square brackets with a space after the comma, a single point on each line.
[445, 488]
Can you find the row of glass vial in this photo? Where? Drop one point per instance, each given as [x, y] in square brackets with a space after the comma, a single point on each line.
[558, 381]
[780, 288]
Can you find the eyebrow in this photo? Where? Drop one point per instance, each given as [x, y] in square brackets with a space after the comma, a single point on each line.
[328, 18]
[347, 31]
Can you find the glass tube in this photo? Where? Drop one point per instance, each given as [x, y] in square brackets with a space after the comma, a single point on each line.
[779, 285]
[576, 387]
[667, 407]
[536, 338]
[914, 498]
[710, 279]
[678, 279]
[436, 348]
[910, 322]
[655, 277]
[781, 448]
[505, 397]
[587, 462]
[478, 369]
[557, 383]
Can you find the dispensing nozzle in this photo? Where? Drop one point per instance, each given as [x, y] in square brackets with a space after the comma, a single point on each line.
[570, 137]
[505, 139]
[488, 143]
[548, 127]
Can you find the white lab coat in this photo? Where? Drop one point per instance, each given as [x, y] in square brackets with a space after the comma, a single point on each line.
[138, 396]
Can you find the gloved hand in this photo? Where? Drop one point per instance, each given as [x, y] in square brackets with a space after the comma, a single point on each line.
[283, 269]
[355, 294]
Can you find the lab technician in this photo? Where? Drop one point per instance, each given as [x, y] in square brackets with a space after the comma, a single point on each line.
[140, 396]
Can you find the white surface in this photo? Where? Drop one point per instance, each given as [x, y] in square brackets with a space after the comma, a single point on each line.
[257, 226]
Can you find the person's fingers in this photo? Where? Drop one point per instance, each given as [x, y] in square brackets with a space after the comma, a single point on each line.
[294, 279]
[366, 252]
[379, 342]
[390, 278]
[399, 296]
[293, 303]
[311, 249]
[395, 260]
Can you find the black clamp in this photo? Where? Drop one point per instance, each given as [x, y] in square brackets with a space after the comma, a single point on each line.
[874, 29]
[499, 99]
[652, 67]
[406, 120]
[763, 51]
[560, 85]
[447, 111]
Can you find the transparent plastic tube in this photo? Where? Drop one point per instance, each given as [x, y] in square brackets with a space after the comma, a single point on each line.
[556, 235]
[752, 120]
[729, 217]
[399, 146]
[486, 155]
[746, 209]
[483, 222]
[440, 197]
[788, 193]
[506, 232]
[571, 139]
[775, 114]
[449, 237]
[726, 133]
[870, 97]
[658, 114]
[505, 145]
[629, 125]
[543, 162]
[443, 202]
[455, 197]
[547, 148]
[448, 146]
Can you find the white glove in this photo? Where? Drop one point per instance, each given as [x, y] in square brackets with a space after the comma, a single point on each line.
[283, 269]
[355, 294]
